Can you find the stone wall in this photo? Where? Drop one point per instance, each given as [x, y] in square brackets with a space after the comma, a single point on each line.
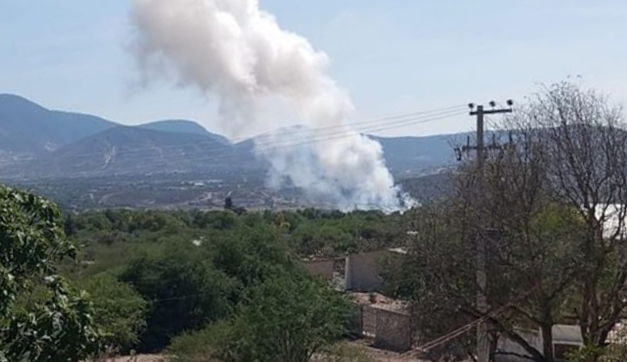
[393, 330]
[390, 329]
[369, 321]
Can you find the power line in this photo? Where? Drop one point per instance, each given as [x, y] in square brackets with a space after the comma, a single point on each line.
[399, 122]
[394, 125]
[304, 142]
[375, 120]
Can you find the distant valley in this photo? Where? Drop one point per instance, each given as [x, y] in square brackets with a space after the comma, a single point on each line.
[95, 160]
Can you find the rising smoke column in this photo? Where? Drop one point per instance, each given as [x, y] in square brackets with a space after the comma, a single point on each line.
[233, 50]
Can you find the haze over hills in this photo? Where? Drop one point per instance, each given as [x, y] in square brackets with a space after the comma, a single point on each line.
[407, 156]
[84, 161]
[125, 150]
[28, 129]
[37, 142]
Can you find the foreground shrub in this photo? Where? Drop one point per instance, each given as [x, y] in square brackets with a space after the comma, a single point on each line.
[184, 290]
[288, 319]
[119, 311]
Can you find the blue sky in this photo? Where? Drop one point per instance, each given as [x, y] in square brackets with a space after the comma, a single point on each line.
[392, 56]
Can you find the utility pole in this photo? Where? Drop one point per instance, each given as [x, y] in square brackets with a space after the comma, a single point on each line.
[483, 344]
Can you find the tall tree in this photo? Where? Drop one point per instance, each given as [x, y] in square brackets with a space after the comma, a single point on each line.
[551, 206]
[586, 138]
[530, 261]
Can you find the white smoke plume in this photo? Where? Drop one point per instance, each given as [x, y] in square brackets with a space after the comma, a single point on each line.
[233, 50]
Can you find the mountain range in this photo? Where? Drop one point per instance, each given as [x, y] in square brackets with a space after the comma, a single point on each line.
[36, 143]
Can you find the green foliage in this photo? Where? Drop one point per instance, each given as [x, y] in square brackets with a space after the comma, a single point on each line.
[252, 256]
[59, 327]
[119, 311]
[289, 320]
[286, 319]
[314, 232]
[184, 289]
[308, 232]
[607, 353]
[31, 240]
[587, 354]
[216, 220]
[99, 258]
[201, 346]
[197, 269]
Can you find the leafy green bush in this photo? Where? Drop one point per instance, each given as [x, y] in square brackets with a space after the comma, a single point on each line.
[201, 346]
[184, 290]
[287, 319]
[290, 319]
[119, 311]
[60, 328]
[220, 220]
[609, 353]
[58, 325]
[252, 256]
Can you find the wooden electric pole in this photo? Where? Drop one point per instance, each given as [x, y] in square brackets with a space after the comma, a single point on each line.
[483, 343]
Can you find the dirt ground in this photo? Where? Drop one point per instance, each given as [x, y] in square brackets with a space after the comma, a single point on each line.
[380, 355]
[140, 358]
[377, 355]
